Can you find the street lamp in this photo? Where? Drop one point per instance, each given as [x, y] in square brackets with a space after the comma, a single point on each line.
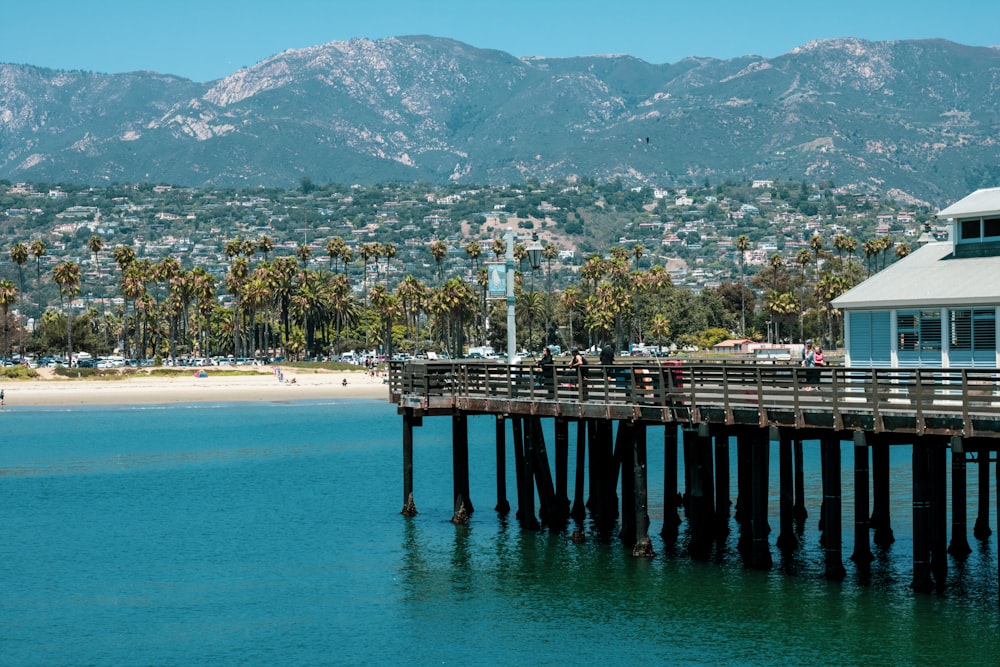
[535, 260]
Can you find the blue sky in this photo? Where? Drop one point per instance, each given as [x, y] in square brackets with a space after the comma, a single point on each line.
[207, 39]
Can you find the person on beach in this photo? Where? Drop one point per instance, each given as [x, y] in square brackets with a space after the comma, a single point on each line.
[1, 398]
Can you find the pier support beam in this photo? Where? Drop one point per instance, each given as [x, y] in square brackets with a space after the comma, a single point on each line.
[744, 490]
[671, 519]
[503, 505]
[550, 514]
[643, 547]
[579, 511]
[800, 494]
[722, 503]
[701, 500]
[862, 555]
[562, 468]
[959, 547]
[625, 452]
[787, 539]
[938, 467]
[525, 480]
[831, 512]
[922, 581]
[409, 423]
[982, 528]
[460, 468]
[881, 519]
[760, 558]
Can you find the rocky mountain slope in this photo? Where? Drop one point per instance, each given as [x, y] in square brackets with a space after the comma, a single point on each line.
[917, 117]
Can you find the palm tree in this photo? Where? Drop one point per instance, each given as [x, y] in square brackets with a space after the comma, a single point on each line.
[8, 297]
[499, 248]
[19, 255]
[412, 295]
[343, 307]
[95, 244]
[438, 252]
[659, 328]
[637, 251]
[474, 250]
[38, 250]
[902, 250]
[67, 276]
[570, 302]
[742, 246]
[303, 252]
[334, 247]
[265, 244]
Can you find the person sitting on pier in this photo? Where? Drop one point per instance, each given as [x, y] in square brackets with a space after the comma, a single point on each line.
[546, 366]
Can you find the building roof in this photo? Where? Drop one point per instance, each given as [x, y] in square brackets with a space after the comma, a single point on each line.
[985, 202]
[929, 276]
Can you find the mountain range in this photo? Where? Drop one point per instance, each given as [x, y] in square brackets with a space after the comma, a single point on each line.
[918, 119]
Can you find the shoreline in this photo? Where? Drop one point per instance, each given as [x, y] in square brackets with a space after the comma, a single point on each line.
[184, 387]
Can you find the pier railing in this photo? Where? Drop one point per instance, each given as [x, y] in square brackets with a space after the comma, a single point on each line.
[904, 400]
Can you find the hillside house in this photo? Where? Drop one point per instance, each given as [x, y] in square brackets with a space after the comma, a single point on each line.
[937, 307]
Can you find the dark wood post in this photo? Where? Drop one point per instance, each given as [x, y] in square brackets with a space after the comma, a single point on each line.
[460, 468]
[744, 489]
[579, 511]
[721, 484]
[831, 512]
[801, 514]
[625, 448]
[409, 422]
[551, 514]
[862, 555]
[760, 554]
[787, 539]
[881, 519]
[982, 528]
[938, 467]
[671, 519]
[643, 545]
[503, 505]
[921, 519]
[518, 444]
[959, 547]
[562, 467]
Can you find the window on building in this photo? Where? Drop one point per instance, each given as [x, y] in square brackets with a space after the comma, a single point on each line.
[973, 329]
[919, 330]
[991, 227]
[969, 229]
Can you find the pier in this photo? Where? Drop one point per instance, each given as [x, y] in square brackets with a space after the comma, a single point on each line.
[705, 407]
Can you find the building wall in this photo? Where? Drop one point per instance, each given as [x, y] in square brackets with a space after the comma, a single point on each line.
[933, 337]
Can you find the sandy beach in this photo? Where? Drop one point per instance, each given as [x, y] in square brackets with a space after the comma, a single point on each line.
[185, 387]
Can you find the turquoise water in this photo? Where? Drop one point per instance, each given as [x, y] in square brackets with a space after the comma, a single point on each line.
[270, 533]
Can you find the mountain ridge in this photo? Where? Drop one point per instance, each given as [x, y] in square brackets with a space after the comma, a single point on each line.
[917, 115]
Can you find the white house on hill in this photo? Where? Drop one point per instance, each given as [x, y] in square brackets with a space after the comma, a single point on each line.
[937, 307]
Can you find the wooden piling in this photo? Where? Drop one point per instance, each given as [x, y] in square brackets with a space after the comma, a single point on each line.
[579, 510]
[881, 519]
[671, 519]
[643, 547]
[503, 505]
[862, 555]
[701, 498]
[938, 468]
[625, 448]
[460, 468]
[801, 514]
[982, 529]
[744, 488]
[787, 539]
[722, 501]
[959, 547]
[409, 422]
[922, 581]
[760, 558]
[562, 467]
[831, 510]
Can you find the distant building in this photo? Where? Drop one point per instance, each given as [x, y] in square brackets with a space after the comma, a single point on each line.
[937, 307]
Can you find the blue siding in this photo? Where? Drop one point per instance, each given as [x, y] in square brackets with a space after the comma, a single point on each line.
[871, 346]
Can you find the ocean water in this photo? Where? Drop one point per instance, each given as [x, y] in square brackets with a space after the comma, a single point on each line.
[270, 533]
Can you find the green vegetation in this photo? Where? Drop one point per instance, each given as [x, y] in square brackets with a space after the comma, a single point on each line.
[312, 273]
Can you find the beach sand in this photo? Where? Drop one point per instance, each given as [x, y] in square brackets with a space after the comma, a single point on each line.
[185, 387]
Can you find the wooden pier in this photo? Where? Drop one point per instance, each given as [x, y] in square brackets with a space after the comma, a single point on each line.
[930, 410]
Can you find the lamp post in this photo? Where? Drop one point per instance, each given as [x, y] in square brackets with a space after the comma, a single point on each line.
[511, 327]
[535, 259]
